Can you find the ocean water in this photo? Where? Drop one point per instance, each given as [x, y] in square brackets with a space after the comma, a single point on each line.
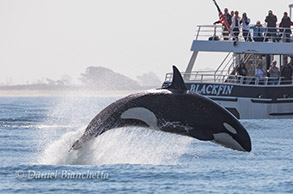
[37, 132]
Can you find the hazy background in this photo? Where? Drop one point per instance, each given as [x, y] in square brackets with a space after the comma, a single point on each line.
[52, 38]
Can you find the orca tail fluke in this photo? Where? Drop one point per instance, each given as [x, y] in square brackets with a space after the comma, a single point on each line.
[177, 81]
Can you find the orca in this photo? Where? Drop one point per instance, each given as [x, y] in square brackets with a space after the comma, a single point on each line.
[172, 109]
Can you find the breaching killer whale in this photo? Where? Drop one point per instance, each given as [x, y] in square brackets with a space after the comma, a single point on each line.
[172, 109]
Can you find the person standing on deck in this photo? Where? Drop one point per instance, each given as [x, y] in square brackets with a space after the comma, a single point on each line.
[271, 21]
[229, 20]
[274, 73]
[286, 27]
[235, 26]
[245, 27]
[260, 73]
[232, 14]
[286, 72]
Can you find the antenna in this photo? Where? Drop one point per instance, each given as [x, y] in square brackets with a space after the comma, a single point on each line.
[290, 10]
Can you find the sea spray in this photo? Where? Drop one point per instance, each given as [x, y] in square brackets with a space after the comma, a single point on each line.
[71, 115]
[118, 146]
[67, 114]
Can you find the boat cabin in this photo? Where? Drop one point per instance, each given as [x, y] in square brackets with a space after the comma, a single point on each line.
[247, 97]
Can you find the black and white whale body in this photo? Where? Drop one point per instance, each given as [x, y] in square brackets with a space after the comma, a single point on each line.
[172, 109]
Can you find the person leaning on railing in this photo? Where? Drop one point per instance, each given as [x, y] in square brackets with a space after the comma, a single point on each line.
[258, 32]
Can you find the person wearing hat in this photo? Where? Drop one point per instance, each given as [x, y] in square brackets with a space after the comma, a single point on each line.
[258, 31]
[271, 21]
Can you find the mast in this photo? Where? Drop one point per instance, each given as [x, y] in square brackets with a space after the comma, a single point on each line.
[290, 10]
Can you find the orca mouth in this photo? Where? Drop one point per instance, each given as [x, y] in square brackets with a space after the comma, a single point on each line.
[235, 138]
[228, 141]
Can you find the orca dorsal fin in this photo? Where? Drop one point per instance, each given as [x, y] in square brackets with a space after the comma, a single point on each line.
[177, 81]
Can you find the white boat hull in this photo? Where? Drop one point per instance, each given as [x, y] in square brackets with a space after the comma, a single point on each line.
[253, 108]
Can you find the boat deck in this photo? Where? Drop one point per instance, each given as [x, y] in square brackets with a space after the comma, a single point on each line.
[204, 42]
[213, 77]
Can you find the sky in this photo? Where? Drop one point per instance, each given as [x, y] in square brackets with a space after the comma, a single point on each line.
[55, 38]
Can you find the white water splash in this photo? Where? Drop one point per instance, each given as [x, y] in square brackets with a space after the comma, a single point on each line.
[118, 146]
[127, 145]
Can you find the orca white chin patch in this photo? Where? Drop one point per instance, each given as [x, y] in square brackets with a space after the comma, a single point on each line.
[230, 128]
[142, 114]
[227, 140]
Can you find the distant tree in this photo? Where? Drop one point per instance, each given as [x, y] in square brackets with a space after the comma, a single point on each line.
[106, 79]
[149, 80]
[50, 82]
[65, 80]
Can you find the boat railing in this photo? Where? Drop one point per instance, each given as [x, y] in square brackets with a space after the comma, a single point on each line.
[215, 33]
[228, 64]
[200, 77]
[193, 76]
[227, 61]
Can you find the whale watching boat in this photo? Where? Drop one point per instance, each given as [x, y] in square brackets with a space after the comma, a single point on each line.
[246, 97]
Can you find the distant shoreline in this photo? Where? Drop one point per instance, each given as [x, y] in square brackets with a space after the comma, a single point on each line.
[96, 81]
[73, 92]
